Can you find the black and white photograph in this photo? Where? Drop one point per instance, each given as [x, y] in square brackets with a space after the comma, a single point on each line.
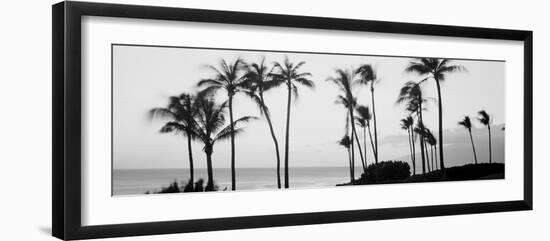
[191, 119]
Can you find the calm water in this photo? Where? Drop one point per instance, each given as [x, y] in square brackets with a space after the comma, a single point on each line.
[140, 181]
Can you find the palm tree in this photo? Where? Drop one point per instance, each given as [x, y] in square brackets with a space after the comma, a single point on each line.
[288, 73]
[227, 77]
[411, 93]
[430, 139]
[468, 125]
[260, 81]
[368, 75]
[209, 128]
[407, 124]
[364, 117]
[346, 142]
[436, 69]
[420, 130]
[485, 119]
[363, 120]
[180, 112]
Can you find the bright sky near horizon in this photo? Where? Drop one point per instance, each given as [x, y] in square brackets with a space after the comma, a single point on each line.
[144, 78]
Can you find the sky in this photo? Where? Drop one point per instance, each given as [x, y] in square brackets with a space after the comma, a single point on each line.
[144, 77]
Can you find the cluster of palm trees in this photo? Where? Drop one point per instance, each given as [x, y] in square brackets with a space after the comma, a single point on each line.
[199, 117]
[348, 81]
[411, 95]
[484, 119]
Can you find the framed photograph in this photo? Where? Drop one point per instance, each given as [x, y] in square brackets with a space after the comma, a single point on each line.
[171, 120]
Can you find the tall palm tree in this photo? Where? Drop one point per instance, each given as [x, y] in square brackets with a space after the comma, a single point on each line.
[209, 128]
[411, 93]
[228, 77]
[260, 80]
[289, 74]
[407, 124]
[180, 111]
[435, 69]
[468, 125]
[346, 142]
[485, 119]
[368, 75]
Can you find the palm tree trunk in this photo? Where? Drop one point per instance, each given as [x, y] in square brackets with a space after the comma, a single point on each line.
[365, 145]
[427, 157]
[435, 150]
[440, 106]
[371, 142]
[473, 146]
[233, 179]
[350, 167]
[432, 153]
[210, 183]
[374, 119]
[190, 151]
[289, 99]
[413, 148]
[422, 140]
[490, 148]
[360, 152]
[352, 120]
[275, 142]
[410, 147]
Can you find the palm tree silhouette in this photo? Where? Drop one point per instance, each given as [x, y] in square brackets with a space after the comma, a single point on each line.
[420, 130]
[411, 93]
[181, 111]
[227, 77]
[430, 139]
[260, 81]
[436, 69]
[209, 128]
[468, 125]
[485, 119]
[346, 142]
[368, 75]
[363, 119]
[407, 124]
[288, 73]
[344, 81]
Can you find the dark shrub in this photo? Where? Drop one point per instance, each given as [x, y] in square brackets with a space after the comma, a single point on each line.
[198, 186]
[173, 188]
[386, 171]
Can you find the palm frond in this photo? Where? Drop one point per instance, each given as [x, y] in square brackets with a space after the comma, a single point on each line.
[161, 113]
[466, 122]
[305, 82]
[209, 82]
[172, 126]
[484, 117]
[418, 68]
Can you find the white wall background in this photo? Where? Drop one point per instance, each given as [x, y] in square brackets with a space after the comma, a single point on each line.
[25, 122]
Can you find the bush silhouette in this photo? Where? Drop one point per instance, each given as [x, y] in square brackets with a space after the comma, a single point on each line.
[386, 171]
[199, 186]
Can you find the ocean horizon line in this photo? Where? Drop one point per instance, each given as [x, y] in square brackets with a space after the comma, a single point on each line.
[121, 169]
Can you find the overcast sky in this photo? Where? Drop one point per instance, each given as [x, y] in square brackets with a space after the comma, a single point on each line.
[144, 78]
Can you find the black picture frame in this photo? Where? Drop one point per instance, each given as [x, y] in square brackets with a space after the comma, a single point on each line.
[66, 75]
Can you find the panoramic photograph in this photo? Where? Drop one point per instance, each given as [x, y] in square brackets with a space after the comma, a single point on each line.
[190, 119]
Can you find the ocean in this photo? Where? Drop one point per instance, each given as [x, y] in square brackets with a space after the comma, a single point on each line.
[139, 181]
